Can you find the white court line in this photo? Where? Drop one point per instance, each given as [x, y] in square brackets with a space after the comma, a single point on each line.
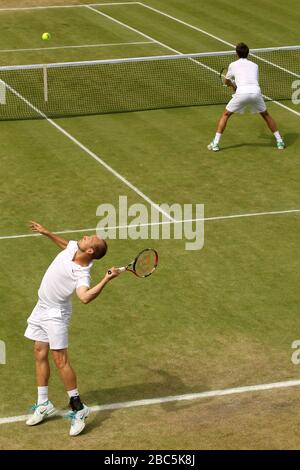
[89, 152]
[173, 398]
[113, 3]
[150, 224]
[49, 7]
[217, 38]
[77, 47]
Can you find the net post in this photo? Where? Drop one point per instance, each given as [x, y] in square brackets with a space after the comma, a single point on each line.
[45, 74]
[2, 92]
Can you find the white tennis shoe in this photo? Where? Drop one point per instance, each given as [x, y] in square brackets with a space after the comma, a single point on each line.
[214, 147]
[78, 420]
[41, 412]
[280, 144]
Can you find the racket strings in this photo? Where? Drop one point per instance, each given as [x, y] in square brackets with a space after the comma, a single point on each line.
[145, 263]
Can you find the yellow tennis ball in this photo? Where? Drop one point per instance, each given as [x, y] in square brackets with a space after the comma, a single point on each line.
[46, 36]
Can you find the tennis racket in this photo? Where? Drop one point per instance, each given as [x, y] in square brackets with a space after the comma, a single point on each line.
[222, 75]
[143, 265]
[223, 79]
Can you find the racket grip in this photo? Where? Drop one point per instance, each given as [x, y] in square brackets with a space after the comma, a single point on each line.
[121, 270]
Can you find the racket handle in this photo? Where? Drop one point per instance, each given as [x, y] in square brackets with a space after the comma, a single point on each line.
[121, 270]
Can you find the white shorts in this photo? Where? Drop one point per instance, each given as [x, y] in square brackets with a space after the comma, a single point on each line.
[49, 325]
[238, 103]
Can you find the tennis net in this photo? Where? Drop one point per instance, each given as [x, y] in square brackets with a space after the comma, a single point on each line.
[135, 84]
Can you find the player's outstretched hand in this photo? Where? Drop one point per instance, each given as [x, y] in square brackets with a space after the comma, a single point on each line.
[112, 273]
[35, 227]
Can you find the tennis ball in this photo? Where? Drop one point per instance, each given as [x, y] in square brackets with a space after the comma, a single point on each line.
[46, 36]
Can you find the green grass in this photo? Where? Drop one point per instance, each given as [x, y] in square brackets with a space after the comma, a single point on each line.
[221, 317]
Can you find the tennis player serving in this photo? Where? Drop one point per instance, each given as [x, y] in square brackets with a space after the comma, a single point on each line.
[48, 322]
[242, 76]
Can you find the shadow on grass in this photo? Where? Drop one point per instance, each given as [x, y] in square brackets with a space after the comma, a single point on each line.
[289, 138]
[249, 145]
[167, 385]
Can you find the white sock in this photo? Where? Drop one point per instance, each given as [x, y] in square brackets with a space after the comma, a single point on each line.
[42, 395]
[277, 136]
[73, 393]
[217, 138]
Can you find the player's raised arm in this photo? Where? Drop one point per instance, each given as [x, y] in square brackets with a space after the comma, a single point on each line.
[86, 294]
[59, 241]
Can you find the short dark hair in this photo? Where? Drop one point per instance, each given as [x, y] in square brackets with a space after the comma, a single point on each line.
[100, 249]
[242, 50]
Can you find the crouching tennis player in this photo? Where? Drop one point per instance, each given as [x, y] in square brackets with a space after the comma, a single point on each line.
[242, 76]
[48, 322]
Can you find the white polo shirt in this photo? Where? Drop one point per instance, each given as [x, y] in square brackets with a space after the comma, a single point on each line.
[245, 74]
[62, 278]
